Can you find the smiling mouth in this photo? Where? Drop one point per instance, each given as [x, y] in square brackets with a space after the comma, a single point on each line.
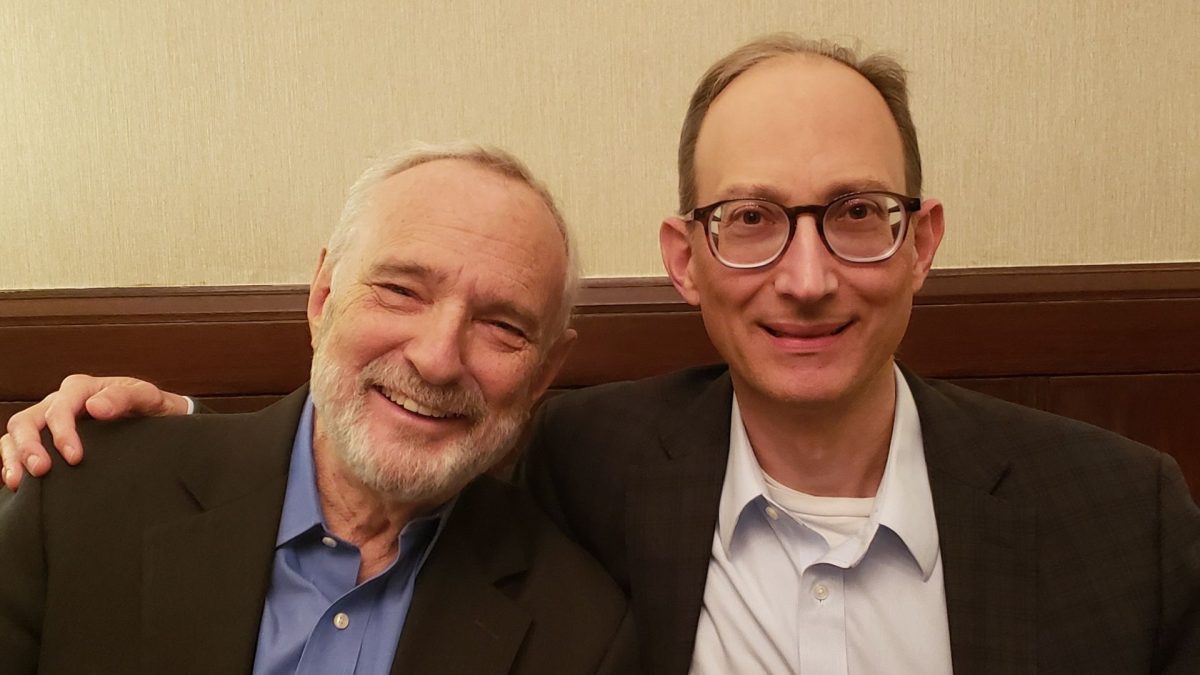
[808, 333]
[415, 407]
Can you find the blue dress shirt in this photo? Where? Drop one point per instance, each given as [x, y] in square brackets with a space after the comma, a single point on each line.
[316, 619]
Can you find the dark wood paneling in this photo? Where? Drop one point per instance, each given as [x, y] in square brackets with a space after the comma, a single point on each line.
[1114, 345]
[1158, 410]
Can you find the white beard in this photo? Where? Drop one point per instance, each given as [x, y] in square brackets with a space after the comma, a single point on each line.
[396, 466]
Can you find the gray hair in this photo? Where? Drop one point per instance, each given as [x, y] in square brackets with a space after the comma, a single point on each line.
[882, 71]
[491, 158]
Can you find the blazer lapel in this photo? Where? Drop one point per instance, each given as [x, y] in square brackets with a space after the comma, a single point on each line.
[460, 621]
[671, 515]
[205, 577]
[987, 543]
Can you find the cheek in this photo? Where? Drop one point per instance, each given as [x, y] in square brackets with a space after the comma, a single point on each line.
[504, 379]
[888, 286]
[725, 290]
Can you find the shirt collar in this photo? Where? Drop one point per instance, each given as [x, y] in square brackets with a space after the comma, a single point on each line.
[903, 504]
[302, 505]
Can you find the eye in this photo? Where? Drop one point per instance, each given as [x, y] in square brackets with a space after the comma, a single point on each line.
[750, 217]
[749, 214]
[395, 295]
[862, 209]
[396, 289]
[505, 334]
[509, 328]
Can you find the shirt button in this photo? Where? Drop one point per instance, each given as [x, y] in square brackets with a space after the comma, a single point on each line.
[772, 513]
[820, 592]
[329, 541]
[341, 621]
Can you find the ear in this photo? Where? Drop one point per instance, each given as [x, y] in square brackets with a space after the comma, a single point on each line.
[318, 294]
[928, 228]
[553, 363]
[675, 243]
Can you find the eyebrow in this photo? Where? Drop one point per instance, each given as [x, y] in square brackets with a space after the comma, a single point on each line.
[405, 269]
[774, 194]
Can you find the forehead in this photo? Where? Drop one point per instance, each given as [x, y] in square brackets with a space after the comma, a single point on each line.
[802, 125]
[469, 226]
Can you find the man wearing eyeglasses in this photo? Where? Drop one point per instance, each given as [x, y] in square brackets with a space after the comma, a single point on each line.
[811, 506]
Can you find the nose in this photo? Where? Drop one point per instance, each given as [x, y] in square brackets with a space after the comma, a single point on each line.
[436, 348]
[807, 270]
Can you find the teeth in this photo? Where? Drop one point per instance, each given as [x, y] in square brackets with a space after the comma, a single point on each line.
[412, 406]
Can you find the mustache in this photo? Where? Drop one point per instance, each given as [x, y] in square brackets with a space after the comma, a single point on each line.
[458, 399]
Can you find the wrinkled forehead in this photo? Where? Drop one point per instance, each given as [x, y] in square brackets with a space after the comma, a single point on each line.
[803, 122]
[460, 217]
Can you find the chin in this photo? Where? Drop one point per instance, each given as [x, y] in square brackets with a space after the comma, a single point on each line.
[407, 469]
[800, 386]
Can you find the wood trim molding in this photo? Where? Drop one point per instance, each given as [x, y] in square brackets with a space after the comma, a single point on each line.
[253, 340]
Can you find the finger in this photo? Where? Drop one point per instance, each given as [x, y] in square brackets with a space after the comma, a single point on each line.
[37, 464]
[61, 422]
[12, 473]
[25, 433]
[123, 397]
[75, 391]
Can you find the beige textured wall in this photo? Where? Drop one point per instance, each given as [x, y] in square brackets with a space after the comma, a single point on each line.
[162, 143]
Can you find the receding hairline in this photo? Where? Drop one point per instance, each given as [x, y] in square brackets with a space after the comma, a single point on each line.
[492, 159]
[879, 69]
[813, 61]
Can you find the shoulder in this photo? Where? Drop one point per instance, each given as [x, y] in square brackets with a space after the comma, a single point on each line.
[947, 408]
[1043, 453]
[554, 561]
[142, 454]
[631, 401]
[577, 611]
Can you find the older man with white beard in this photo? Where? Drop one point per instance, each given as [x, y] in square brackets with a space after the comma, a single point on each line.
[348, 529]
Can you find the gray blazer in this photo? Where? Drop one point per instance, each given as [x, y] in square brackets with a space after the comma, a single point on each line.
[155, 554]
[1066, 549]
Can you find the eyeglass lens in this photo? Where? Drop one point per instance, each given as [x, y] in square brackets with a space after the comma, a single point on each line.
[857, 228]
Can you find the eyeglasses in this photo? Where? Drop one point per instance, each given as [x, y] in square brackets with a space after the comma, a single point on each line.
[860, 227]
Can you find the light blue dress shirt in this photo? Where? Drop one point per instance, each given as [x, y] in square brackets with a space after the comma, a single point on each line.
[316, 619]
[779, 599]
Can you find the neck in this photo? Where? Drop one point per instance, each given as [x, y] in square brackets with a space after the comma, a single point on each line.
[358, 514]
[830, 449]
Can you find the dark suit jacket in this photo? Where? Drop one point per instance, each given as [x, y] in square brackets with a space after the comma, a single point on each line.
[1066, 549]
[155, 554]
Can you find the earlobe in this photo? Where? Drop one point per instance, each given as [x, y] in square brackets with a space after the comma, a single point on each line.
[318, 293]
[928, 228]
[674, 240]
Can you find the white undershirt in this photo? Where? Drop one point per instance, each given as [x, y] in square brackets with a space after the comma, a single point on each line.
[834, 518]
[803, 584]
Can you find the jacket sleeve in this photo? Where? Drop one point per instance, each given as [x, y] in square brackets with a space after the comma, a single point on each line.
[1179, 554]
[22, 578]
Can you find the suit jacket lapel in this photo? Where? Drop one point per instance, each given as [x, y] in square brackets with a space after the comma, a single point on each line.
[460, 621]
[205, 576]
[671, 516]
[987, 543]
